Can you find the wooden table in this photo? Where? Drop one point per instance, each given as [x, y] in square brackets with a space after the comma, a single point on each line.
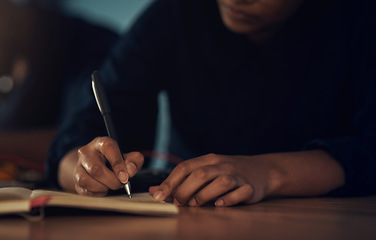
[298, 218]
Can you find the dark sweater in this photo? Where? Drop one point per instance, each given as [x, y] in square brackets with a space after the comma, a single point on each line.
[310, 87]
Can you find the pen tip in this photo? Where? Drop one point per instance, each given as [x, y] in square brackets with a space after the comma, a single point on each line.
[127, 187]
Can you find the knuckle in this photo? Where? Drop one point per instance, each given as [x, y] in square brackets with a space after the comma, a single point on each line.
[248, 187]
[82, 150]
[200, 174]
[249, 194]
[200, 198]
[227, 181]
[182, 167]
[99, 140]
[212, 158]
[249, 190]
[81, 181]
[79, 189]
[94, 170]
[106, 142]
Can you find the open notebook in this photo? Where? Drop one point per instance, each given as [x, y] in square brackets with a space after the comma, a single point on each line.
[16, 200]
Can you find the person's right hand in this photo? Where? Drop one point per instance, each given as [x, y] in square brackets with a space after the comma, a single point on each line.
[91, 175]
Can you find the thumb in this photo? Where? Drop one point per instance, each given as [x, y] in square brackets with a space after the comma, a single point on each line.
[133, 162]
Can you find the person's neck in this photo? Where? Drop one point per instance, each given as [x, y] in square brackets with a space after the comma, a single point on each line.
[265, 34]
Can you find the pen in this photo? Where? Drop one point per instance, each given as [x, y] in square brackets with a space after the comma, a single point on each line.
[104, 108]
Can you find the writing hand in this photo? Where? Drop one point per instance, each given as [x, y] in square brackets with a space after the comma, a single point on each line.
[91, 175]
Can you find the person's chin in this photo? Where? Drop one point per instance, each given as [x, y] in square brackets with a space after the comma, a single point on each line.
[238, 27]
[238, 22]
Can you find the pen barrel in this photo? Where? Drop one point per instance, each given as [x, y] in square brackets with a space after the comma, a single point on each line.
[111, 133]
[104, 108]
[110, 127]
[111, 130]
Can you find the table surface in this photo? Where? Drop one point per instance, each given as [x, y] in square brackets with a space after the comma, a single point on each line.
[294, 218]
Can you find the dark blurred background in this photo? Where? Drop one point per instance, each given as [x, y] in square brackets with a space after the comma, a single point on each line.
[48, 48]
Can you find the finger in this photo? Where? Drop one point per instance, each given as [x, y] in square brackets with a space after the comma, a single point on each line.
[195, 181]
[153, 189]
[134, 162]
[94, 164]
[85, 181]
[243, 194]
[109, 148]
[218, 187]
[180, 172]
[168, 186]
[85, 192]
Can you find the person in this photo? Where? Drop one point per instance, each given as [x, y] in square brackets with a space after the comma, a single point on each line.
[268, 98]
[44, 52]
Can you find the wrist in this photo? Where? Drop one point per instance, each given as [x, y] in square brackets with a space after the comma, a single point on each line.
[306, 173]
[277, 178]
[66, 170]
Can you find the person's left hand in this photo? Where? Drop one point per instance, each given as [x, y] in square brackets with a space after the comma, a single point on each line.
[228, 180]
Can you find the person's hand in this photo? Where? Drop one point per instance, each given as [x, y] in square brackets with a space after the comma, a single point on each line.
[228, 180]
[91, 175]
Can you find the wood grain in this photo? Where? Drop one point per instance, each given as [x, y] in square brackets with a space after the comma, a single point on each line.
[296, 218]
